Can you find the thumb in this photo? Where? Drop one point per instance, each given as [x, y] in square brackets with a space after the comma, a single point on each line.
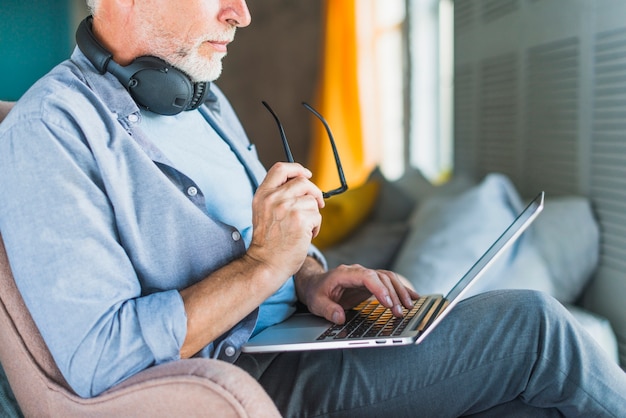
[328, 309]
[336, 314]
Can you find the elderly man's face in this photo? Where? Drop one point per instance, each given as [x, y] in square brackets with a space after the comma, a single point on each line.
[192, 35]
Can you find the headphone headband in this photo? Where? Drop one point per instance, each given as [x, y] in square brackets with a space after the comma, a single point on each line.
[153, 84]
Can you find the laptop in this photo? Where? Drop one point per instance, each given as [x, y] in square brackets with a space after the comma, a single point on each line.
[370, 324]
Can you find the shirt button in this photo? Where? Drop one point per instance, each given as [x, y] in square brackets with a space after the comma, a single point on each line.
[192, 191]
[236, 236]
[133, 118]
[230, 351]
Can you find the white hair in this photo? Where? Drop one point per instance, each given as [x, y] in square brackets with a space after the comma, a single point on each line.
[93, 5]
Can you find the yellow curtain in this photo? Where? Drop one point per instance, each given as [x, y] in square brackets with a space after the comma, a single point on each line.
[338, 101]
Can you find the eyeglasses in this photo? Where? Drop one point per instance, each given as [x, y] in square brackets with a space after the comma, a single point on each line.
[342, 179]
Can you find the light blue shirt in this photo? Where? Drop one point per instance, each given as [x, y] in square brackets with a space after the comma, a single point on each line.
[102, 231]
[196, 150]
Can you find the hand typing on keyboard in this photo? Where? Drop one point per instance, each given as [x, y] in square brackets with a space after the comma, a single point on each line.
[329, 294]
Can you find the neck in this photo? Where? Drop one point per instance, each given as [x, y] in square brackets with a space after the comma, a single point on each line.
[117, 31]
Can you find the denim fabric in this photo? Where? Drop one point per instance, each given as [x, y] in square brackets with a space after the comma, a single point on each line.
[503, 353]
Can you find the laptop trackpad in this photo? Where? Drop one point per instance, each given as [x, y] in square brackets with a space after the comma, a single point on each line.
[299, 328]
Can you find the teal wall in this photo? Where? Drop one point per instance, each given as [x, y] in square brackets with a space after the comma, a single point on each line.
[35, 35]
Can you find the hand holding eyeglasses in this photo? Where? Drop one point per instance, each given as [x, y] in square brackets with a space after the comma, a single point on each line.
[342, 179]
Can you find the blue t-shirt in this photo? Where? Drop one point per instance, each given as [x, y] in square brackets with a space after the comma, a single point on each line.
[197, 150]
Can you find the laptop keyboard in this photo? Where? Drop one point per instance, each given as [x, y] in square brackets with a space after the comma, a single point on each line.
[371, 319]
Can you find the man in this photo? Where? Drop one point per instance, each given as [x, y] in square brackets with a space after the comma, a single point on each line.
[138, 238]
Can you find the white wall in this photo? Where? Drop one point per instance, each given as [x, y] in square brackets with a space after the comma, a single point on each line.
[540, 95]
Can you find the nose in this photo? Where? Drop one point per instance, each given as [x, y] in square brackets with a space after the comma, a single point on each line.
[236, 13]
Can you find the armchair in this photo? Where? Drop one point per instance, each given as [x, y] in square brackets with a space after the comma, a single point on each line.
[4, 109]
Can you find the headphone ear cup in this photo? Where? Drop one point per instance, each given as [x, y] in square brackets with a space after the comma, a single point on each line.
[152, 83]
[158, 87]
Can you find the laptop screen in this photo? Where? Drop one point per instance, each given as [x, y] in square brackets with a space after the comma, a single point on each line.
[517, 227]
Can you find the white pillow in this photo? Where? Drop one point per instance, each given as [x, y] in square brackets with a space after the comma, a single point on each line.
[567, 236]
[599, 328]
[526, 269]
[449, 233]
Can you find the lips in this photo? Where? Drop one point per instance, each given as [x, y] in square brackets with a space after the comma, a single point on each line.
[219, 46]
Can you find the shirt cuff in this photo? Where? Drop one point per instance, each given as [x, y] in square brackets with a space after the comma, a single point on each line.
[318, 256]
[163, 323]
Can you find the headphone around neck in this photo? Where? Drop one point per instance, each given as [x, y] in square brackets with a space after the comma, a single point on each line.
[152, 83]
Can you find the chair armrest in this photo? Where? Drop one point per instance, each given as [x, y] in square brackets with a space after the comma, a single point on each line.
[4, 109]
[194, 387]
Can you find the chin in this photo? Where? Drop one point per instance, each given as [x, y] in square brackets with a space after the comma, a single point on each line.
[203, 72]
[206, 77]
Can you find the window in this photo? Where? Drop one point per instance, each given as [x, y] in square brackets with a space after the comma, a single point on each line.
[406, 54]
[430, 40]
[381, 55]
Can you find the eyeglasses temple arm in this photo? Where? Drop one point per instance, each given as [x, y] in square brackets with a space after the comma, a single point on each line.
[283, 137]
[342, 178]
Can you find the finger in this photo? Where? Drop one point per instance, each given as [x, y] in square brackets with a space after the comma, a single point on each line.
[282, 172]
[336, 314]
[315, 219]
[291, 178]
[396, 294]
[387, 278]
[380, 285]
[330, 310]
[404, 290]
[301, 186]
[304, 215]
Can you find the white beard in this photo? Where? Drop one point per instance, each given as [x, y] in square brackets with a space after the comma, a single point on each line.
[171, 48]
[197, 67]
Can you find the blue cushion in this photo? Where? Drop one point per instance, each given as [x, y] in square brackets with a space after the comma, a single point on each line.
[449, 233]
[567, 236]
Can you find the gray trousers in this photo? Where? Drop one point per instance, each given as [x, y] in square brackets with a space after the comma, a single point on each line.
[502, 353]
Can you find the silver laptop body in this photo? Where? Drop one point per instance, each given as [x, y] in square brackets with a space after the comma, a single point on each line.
[305, 331]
